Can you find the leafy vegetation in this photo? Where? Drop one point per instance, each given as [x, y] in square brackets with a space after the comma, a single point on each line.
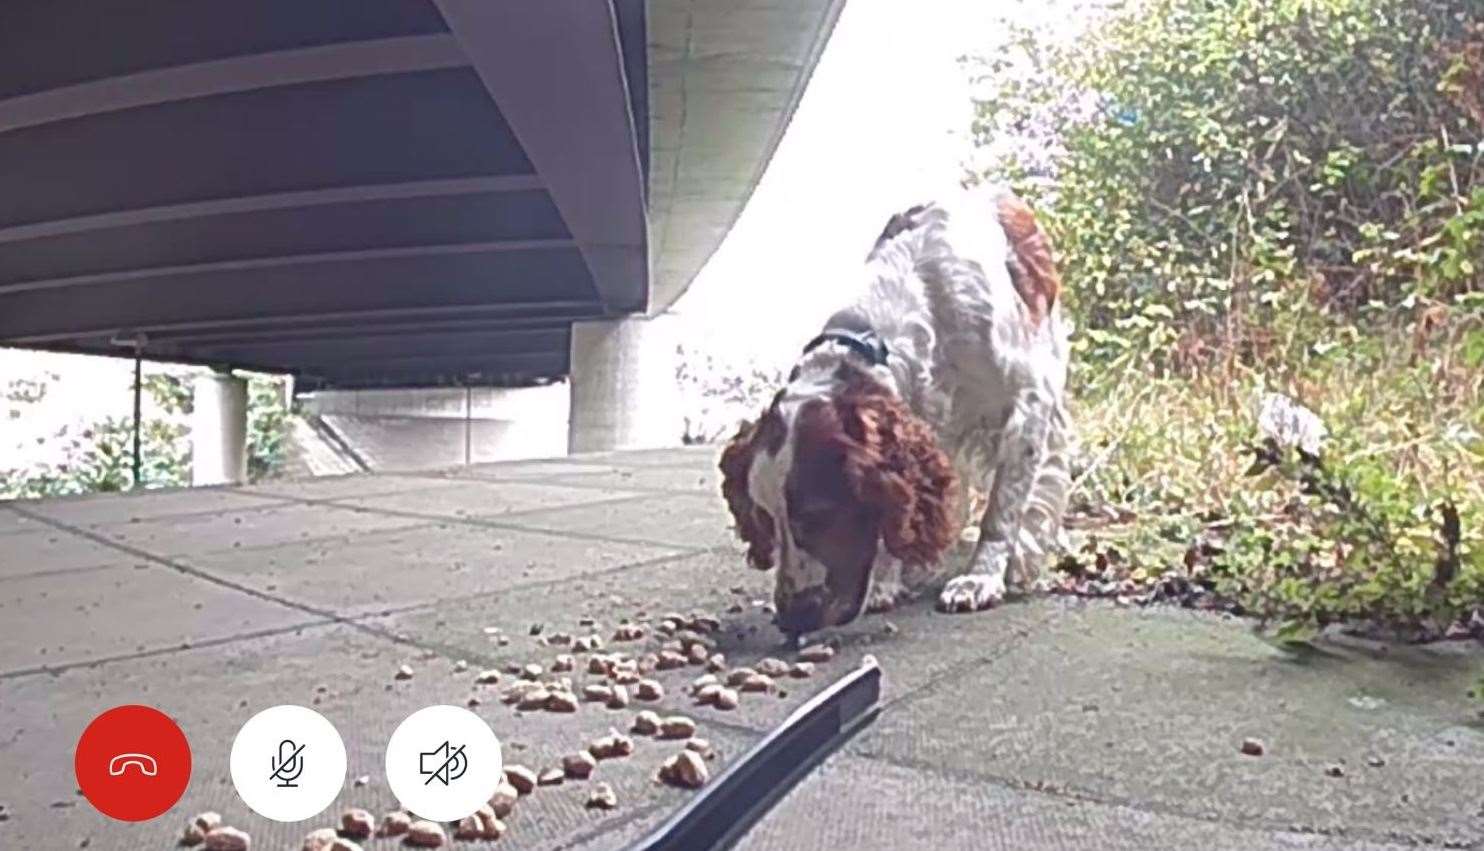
[1264, 197]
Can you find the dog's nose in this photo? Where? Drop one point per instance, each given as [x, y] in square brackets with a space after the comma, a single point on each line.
[803, 613]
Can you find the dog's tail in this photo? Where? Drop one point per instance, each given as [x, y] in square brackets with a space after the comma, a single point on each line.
[1030, 259]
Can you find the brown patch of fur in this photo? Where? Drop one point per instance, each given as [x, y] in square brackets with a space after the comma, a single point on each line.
[1032, 267]
[754, 525]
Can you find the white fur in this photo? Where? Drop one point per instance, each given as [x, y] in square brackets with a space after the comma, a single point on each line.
[966, 359]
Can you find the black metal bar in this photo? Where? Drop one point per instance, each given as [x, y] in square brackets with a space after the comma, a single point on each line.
[727, 808]
[138, 387]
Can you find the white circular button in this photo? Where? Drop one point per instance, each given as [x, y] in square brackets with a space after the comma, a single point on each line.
[288, 763]
[443, 763]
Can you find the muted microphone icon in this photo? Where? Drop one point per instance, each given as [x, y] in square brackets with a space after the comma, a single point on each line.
[288, 765]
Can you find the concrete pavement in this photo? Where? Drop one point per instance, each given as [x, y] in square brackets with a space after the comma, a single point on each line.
[1048, 724]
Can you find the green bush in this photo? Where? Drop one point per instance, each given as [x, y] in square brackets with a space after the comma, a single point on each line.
[1260, 196]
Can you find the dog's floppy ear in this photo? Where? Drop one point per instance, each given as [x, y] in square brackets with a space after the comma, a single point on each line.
[754, 525]
[896, 465]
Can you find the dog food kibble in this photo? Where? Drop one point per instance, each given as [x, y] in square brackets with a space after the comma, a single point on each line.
[551, 777]
[533, 699]
[597, 693]
[588, 644]
[489, 824]
[531, 671]
[227, 839]
[580, 765]
[404, 672]
[426, 834]
[619, 698]
[357, 823]
[564, 662]
[703, 681]
[817, 653]
[757, 683]
[394, 824]
[647, 663]
[602, 797]
[207, 822]
[503, 801]
[686, 769]
[460, 666]
[561, 701]
[669, 660]
[725, 698]
[717, 663]
[628, 632]
[648, 690]
[468, 828]
[1335, 770]
[646, 723]
[558, 639]
[521, 778]
[612, 746]
[1253, 747]
[487, 677]
[772, 667]
[677, 727]
[739, 676]
[192, 835]
[702, 747]
[708, 693]
[599, 665]
[624, 676]
[320, 840]
[698, 654]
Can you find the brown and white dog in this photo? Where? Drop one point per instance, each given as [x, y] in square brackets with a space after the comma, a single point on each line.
[949, 368]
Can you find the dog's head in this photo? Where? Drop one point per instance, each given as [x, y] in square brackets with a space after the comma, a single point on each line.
[825, 479]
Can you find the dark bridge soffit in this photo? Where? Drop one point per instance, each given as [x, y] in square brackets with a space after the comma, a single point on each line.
[586, 151]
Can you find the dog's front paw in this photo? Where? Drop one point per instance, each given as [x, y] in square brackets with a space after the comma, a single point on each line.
[884, 595]
[971, 592]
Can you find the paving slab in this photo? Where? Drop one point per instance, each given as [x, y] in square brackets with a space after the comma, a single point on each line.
[193, 534]
[95, 511]
[43, 549]
[130, 608]
[420, 565]
[684, 520]
[336, 487]
[488, 500]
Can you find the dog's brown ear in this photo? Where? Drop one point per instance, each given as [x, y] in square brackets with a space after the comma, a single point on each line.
[754, 525]
[896, 465]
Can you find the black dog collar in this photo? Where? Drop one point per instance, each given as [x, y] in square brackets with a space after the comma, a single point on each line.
[865, 343]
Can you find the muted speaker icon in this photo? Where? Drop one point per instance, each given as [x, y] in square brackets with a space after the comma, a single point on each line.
[288, 764]
[444, 763]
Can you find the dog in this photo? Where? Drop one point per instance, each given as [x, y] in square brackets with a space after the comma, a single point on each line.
[949, 369]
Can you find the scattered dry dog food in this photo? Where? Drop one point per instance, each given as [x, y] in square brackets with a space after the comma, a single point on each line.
[602, 797]
[597, 693]
[1335, 770]
[611, 746]
[551, 777]
[207, 822]
[708, 693]
[686, 769]
[426, 834]
[588, 643]
[628, 632]
[227, 839]
[533, 699]
[394, 824]
[404, 673]
[800, 670]
[531, 671]
[725, 699]
[357, 823]
[487, 677]
[677, 727]
[1253, 747]
[460, 666]
[772, 667]
[702, 682]
[521, 778]
[490, 825]
[698, 654]
[738, 676]
[717, 663]
[647, 664]
[619, 699]
[561, 701]
[580, 765]
[192, 835]
[564, 662]
[649, 690]
[817, 653]
[320, 840]
[669, 660]
[758, 683]
[503, 801]
[558, 639]
[646, 723]
[702, 747]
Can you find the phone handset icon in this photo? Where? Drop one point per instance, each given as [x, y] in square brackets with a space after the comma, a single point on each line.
[141, 761]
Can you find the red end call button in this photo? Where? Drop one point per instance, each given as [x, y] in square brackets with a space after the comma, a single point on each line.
[132, 763]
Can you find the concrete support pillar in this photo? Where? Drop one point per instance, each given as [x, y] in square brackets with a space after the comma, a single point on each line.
[624, 391]
[219, 429]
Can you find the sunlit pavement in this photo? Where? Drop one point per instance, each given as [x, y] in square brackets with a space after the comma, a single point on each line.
[1046, 724]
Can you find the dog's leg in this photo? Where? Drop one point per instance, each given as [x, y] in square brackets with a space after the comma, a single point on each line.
[886, 588]
[1018, 462]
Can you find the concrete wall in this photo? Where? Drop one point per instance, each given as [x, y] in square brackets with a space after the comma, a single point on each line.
[425, 428]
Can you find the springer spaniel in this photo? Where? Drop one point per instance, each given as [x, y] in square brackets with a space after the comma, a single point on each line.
[949, 367]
